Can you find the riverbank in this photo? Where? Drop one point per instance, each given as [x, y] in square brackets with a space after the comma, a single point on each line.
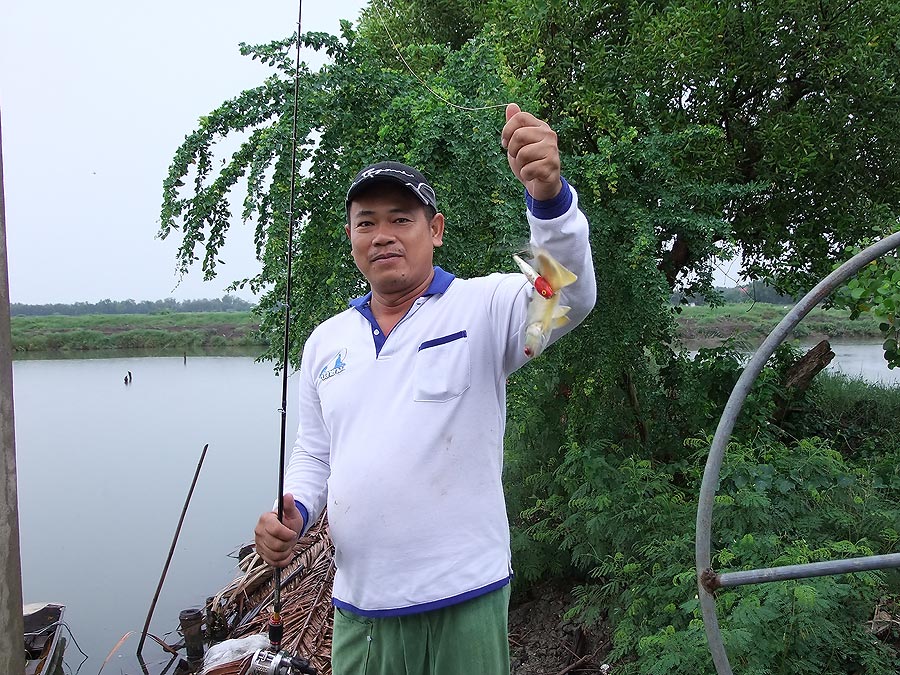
[750, 323]
[192, 331]
[185, 331]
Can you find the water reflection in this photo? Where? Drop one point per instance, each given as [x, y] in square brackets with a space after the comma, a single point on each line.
[864, 361]
[103, 471]
[856, 360]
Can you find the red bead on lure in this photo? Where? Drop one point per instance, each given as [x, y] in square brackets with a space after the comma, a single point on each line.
[541, 285]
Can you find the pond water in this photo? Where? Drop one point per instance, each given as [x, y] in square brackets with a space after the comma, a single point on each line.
[856, 360]
[103, 473]
[863, 361]
[104, 469]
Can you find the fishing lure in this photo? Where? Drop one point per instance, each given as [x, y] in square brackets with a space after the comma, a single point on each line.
[544, 311]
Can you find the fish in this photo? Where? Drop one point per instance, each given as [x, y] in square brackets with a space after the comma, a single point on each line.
[544, 309]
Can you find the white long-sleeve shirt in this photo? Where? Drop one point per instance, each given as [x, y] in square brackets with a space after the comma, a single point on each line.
[402, 436]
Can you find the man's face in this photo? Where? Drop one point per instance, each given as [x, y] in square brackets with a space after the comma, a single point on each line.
[391, 238]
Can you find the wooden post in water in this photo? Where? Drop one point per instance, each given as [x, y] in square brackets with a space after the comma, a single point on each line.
[12, 649]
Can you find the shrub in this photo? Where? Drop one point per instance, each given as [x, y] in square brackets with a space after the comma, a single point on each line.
[619, 516]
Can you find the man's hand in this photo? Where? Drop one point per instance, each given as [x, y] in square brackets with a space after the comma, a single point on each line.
[532, 152]
[275, 541]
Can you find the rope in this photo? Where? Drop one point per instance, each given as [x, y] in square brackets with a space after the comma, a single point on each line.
[421, 81]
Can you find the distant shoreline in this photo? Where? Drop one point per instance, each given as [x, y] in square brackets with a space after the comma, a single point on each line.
[748, 324]
[187, 332]
[196, 332]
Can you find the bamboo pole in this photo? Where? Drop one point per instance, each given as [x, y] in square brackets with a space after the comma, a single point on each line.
[165, 571]
[12, 650]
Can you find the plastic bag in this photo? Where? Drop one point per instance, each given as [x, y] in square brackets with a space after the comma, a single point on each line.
[233, 650]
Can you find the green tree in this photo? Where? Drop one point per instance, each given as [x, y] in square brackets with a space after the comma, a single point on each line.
[797, 102]
[689, 128]
[351, 113]
[876, 290]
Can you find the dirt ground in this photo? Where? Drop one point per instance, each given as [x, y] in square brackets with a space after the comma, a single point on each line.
[542, 642]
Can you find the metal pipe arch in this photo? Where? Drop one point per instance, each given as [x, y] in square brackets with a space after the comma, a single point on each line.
[726, 426]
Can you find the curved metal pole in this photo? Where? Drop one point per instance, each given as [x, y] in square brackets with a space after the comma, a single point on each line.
[729, 417]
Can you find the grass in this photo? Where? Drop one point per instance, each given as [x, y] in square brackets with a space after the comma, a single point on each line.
[183, 330]
[753, 322]
[861, 416]
[169, 321]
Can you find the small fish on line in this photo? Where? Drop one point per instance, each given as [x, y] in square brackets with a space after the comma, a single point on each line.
[544, 311]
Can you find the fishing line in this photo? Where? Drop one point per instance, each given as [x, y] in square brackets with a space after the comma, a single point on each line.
[276, 627]
[387, 31]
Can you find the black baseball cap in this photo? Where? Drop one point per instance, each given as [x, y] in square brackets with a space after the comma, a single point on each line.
[395, 172]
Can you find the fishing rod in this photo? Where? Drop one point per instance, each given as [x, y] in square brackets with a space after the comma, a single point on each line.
[274, 661]
[276, 627]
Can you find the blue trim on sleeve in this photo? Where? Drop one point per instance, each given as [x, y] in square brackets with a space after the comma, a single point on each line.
[425, 607]
[303, 512]
[547, 209]
[442, 340]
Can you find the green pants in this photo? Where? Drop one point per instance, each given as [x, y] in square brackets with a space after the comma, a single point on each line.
[465, 639]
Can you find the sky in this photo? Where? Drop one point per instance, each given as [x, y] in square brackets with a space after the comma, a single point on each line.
[95, 97]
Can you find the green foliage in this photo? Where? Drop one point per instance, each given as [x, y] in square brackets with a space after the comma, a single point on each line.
[699, 141]
[620, 517]
[358, 111]
[875, 290]
[227, 303]
[735, 142]
[449, 22]
[860, 418]
[793, 116]
[746, 325]
[628, 528]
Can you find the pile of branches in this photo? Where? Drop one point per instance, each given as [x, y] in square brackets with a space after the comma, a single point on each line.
[243, 607]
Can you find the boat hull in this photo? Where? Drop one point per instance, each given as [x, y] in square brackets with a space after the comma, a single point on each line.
[44, 644]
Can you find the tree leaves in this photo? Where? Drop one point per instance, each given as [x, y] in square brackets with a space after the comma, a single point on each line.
[876, 290]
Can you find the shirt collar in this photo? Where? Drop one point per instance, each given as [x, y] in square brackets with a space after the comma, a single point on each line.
[439, 284]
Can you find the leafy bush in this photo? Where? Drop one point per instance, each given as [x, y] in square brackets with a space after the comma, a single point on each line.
[620, 518]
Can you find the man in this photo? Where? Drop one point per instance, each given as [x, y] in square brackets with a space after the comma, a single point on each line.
[402, 415]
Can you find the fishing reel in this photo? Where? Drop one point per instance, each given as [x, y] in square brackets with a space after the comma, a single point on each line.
[265, 662]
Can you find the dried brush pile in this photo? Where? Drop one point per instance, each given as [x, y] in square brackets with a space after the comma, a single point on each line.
[244, 606]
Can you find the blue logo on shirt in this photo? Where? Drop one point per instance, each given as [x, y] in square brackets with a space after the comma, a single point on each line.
[336, 368]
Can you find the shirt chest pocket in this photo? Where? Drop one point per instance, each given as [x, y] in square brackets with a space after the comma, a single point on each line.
[443, 368]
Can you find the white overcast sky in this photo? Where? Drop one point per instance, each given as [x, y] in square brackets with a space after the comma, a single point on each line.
[95, 96]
